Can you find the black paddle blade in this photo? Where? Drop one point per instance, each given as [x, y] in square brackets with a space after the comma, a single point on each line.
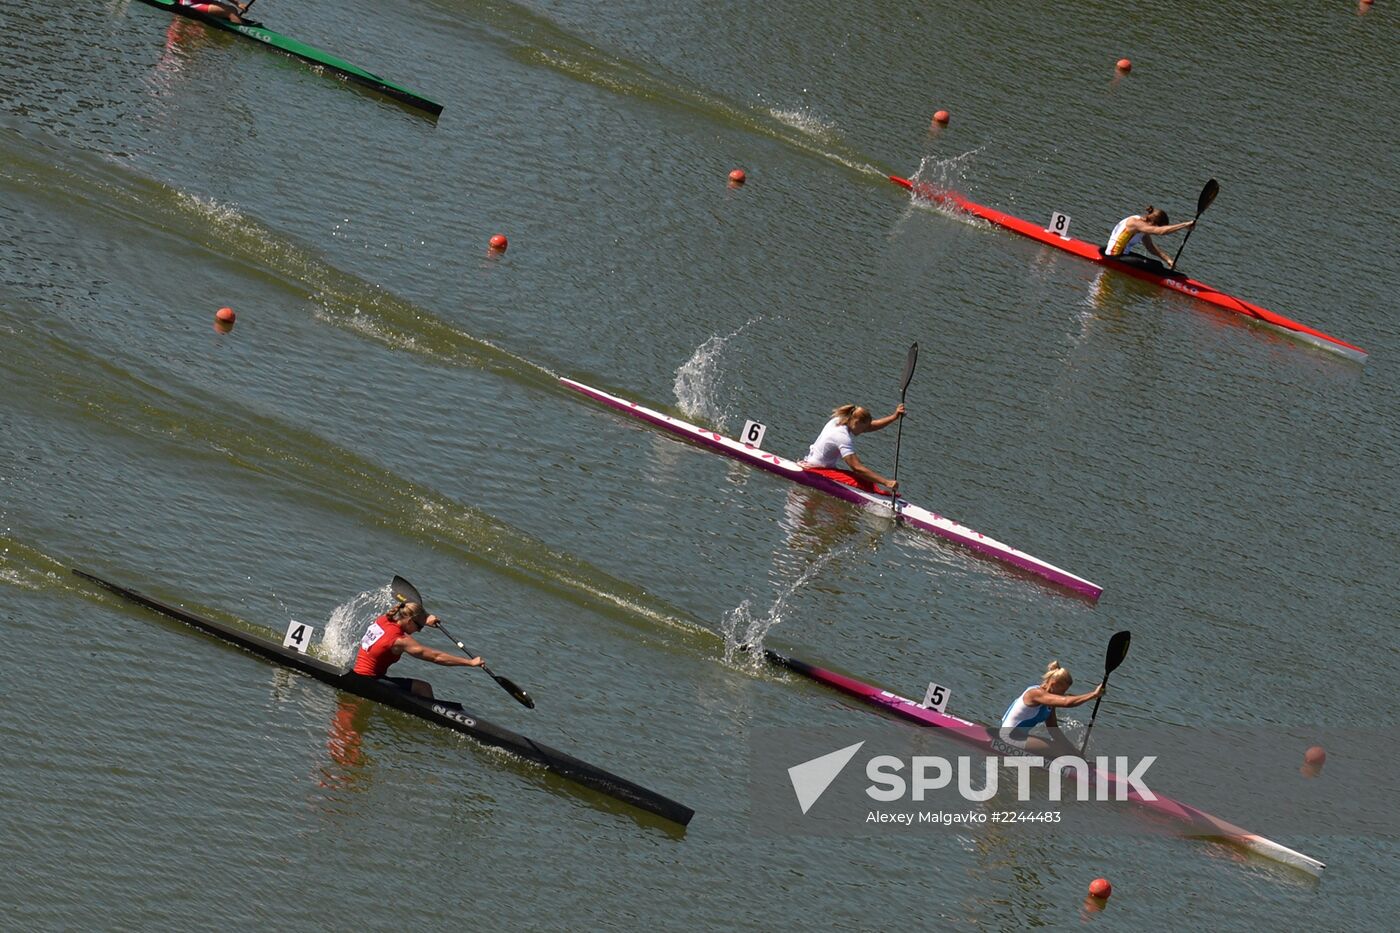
[512, 688]
[909, 369]
[1117, 651]
[405, 592]
[1208, 194]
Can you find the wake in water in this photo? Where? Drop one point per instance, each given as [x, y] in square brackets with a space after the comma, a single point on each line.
[743, 629]
[697, 380]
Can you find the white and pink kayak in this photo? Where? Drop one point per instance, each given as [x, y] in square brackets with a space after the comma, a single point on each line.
[911, 515]
[1193, 822]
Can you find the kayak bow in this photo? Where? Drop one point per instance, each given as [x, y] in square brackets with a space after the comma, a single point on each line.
[1175, 281]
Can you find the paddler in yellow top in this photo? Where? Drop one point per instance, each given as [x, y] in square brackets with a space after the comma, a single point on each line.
[1140, 229]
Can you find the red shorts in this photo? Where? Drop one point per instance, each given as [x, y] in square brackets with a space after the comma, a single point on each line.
[848, 479]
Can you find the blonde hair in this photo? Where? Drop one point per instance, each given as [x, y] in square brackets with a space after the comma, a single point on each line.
[848, 413]
[406, 612]
[1054, 672]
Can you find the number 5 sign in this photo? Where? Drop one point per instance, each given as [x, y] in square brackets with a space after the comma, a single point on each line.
[935, 698]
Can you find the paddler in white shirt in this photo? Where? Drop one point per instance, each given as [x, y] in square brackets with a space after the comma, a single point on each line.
[1139, 229]
[833, 453]
[1037, 704]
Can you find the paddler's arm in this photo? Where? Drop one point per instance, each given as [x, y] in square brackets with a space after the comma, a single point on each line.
[870, 476]
[1148, 231]
[878, 423]
[409, 645]
[1039, 696]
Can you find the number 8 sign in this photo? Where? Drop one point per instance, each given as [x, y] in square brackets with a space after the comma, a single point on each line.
[1059, 225]
[753, 433]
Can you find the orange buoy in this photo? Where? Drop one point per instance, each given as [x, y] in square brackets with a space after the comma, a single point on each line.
[1125, 65]
[499, 243]
[941, 118]
[1315, 756]
[737, 177]
[1100, 888]
[225, 316]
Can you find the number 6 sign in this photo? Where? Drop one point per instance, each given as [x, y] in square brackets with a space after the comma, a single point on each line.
[753, 433]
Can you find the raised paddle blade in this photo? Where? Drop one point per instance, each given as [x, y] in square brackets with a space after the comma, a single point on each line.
[1117, 651]
[909, 362]
[1208, 194]
[405, 592]
[909, 369]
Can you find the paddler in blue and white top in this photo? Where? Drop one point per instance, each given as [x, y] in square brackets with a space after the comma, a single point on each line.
[1138, 230]
[1036, 705]
[836, 446]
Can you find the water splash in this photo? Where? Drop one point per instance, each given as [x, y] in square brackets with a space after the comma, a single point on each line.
[744, 631]
[348, 621]
[807, 122]
[697, 380]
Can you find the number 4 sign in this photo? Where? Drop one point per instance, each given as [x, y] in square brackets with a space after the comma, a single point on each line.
[753, 433]
[935, 698]
[298, 636]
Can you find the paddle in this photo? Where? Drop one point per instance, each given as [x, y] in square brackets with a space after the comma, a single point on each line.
[406, 592]
[899, 435]
[1208, 194]
[1117, 651]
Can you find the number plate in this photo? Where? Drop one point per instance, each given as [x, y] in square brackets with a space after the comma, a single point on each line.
[1059, 225]
[298, 636]
[936, 697]
[753, 434]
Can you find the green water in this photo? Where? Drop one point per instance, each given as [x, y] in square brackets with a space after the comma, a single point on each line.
[388, 403]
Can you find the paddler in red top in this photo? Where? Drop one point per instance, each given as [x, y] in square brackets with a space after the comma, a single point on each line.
[222, 9]
[836, 446]
[390, 636]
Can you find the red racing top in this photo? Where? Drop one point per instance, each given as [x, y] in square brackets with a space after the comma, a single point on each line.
[377, 648]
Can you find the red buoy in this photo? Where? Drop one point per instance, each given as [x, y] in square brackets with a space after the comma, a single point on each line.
[737, 177]
[499, 243]
[1316, 756]
[941, 118]
[1125, 65]
[225, 316]
[1100, 888]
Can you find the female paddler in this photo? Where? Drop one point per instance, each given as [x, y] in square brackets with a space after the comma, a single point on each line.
[390, 636]
[1036, 705]
[836, 445]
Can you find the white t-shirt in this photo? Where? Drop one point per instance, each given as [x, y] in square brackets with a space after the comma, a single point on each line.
[834, 443]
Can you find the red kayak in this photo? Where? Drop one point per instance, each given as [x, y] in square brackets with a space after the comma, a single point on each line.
[1173, 280]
